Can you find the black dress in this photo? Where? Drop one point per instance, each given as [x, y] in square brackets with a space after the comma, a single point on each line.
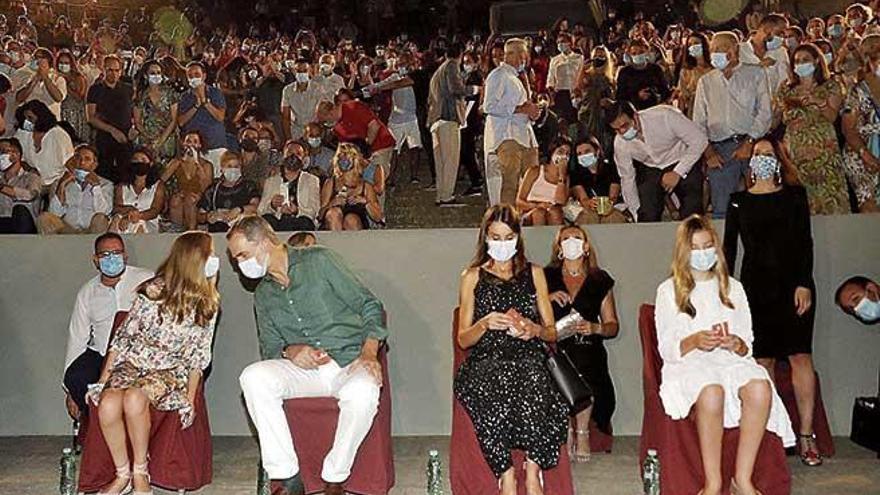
[777, 258]
[587, 352]
[504, 384]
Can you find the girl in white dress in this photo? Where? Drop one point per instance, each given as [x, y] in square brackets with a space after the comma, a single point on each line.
[704, 334]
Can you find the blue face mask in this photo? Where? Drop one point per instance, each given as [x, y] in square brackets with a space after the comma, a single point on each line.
[627, 59]
[27, 126]
[80, 175]
[804, 70]
[719, 60]
[868, 310]
[345, 164]
[640, 59]
[764, 166]
[835, 31]
[695, 51]
[563, 47]
[587, 160]
[521, 67]
[630, 134]
[774, 42]
[111, 265]
[702, 260]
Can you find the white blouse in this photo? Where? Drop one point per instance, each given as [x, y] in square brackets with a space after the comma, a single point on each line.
[684, 377]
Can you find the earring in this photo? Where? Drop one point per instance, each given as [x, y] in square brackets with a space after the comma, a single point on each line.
[560, 255]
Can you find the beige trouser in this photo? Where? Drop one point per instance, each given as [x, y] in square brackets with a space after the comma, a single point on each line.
[589, 216]
[514, 159]
[447, 155]
[50, 223]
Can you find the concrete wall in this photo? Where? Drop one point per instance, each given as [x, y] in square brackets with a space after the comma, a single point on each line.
[416, 274]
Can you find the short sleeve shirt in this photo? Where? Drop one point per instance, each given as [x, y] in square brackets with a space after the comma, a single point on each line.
[352, 127]
[212, 130]
[220, 197]
[112, 105]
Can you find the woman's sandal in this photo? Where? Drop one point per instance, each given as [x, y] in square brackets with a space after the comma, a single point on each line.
[122, 473]
[141, 470]
[582, 457]
[809, 451]
[734, 488]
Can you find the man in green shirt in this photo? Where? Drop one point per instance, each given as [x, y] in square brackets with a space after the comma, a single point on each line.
[319, 330]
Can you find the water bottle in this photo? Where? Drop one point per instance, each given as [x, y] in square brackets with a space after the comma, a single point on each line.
[77, 448]
[263, 483]
[435, 478]
[651, 473]
[67, 486]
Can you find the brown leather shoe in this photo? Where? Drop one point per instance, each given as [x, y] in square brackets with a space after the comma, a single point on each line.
[333, 489]
[290, 486]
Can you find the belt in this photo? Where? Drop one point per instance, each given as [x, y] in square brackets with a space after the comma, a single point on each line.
[737, 138]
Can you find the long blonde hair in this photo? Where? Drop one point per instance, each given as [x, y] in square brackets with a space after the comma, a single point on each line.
[185, 289]
[590, 260]
[681, 264]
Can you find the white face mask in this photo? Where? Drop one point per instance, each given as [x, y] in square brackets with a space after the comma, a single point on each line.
[154, 79]
[502, 250]
[212, 266]
[702, 260]
[64, 68]
[573, 248]
[253, 269]
[326, 69]
[5, 162]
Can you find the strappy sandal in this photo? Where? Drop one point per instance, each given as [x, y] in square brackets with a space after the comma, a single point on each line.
[122, 473]
[540, 474]
[580, 457]
[734, 488]
[809, 451]
[141, 470]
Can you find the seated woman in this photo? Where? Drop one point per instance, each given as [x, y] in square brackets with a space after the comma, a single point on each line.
[229, 198]
[348, 201]
[594, 178]
[543, 189]
[577, 285]
[504, 384]
[157, 357]
[139, 197]
[46, 146]
[81, 200]
[291, 199]
[190, 175]
[704, 334]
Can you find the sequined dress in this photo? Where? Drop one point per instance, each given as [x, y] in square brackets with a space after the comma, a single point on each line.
[504, 384]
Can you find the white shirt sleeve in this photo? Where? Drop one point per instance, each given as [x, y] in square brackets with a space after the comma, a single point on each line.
[494, 103]
[692, 135]
[701, 114]
[55, 206]
[551, 72]
[61, 84]
[670, 332]
[763, 112]
[101, 202]
[627, 172]
[79, 330]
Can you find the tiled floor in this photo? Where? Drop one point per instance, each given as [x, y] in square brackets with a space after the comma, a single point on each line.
[28, 465]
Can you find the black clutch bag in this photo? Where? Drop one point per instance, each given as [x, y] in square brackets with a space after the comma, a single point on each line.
[568, 380]
[866, 423]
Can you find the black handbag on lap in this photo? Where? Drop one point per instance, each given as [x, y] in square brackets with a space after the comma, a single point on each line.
[568, 380]
[866, 423]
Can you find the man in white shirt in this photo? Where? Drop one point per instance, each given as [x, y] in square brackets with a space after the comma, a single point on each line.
[562, 78]
[39, 81]
[81, 201]
[97, 302]
[732, 105]
[765, 47]
[298, 102]
[327, 82]
[509, 114]
[656, 151]
[403, 121]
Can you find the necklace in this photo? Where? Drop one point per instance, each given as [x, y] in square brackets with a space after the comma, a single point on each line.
[574, 273]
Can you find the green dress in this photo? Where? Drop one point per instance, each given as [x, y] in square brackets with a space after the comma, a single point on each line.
[814, 150]
[156, 117]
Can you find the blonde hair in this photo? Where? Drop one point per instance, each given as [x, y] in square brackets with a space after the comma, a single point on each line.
[590, 260]
[185, 290]
[682, 276]
[229, 156]
[514, 45]
[728, 38]
[352, 152]
[869, 49]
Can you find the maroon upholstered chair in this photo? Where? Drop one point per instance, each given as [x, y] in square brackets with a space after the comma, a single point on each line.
[677, 443]
[180, 460]
[469, 474]
[784, 387]
[313, 422]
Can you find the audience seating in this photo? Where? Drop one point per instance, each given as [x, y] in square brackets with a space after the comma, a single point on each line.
[677, 443]
[180, 460]
[468, 472]
[313, 422]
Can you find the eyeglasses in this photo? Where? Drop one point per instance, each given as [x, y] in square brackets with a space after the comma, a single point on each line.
[104, 254]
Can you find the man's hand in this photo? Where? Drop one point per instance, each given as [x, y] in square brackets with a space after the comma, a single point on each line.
[119, 136]
[72, 408]
[670, 180]
[93, 179]
[305, 356]
[277, 201]
[370, 364]
[768, 62]
[743, 151]
[712, 157]
[645, 94]
[289, 209]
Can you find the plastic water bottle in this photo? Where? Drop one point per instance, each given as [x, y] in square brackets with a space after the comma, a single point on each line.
[651, 473]
[263, 482]
[67, 486]
[435, 477]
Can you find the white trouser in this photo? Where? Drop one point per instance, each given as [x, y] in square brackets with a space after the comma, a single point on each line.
[493, 177]
[266, 384]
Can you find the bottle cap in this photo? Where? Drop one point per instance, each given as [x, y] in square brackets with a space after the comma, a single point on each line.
[66, 450]
[433, 453]
[652, 452]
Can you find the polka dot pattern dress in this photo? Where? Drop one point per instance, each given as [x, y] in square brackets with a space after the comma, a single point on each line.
[504, 384]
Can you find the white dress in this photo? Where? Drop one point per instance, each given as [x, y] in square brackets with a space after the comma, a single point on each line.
[141, 202]
[683, 378]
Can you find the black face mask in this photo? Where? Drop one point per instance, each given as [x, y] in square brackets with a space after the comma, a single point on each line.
[249, 145]
[599, 62]
[140, 168]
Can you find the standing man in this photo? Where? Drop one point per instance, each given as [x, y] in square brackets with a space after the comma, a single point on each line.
[109, 111]
[565, 67]
[766, 48]
[642, 83]
[97, 302]
[732, 106]
[509, 114]
[320, 331]
[39, 81]
[353, 122]
[655, 151]
[403, 121]
[446, 114]
[203, 109]
[328, 83]
[298, 102]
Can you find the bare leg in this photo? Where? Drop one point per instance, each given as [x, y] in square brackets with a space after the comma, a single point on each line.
[770, 365]
[352, 222]
[582, 434]
[533, 479]
[175, 209]
[803, 378]
[555, 216]
[333, 219]
[710, 429]
[190, 214]
[755, 396]
[99, 224]
[113, 428]
[508, 482]
[137, 422]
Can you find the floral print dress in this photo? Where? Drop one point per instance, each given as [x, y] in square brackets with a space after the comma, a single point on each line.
[866, 183]
[812, 143]
[156, 354]
[156, 117]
